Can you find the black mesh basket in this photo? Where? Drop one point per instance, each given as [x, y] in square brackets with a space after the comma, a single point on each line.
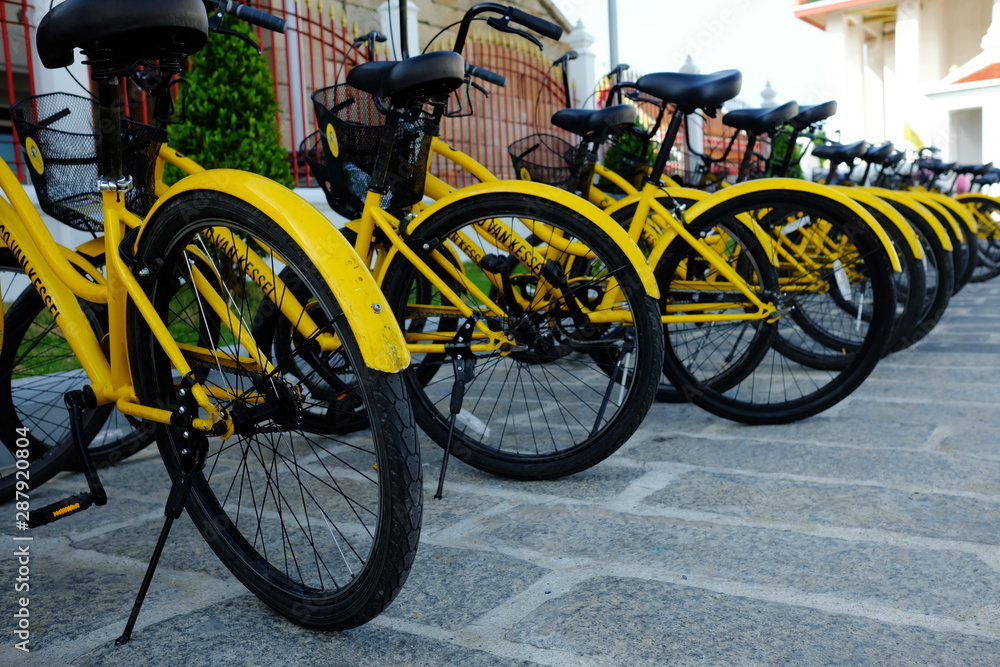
[352, 123]
[546, 158]
[57, 134]
[311, 151]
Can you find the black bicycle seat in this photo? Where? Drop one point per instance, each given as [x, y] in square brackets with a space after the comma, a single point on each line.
[595, 123]
[435, 73]
[878, 154]
[813, 114]
[133, 30]
[691, 92]
[975, 169]
[935, 165]
[840, 152]
[761, 121]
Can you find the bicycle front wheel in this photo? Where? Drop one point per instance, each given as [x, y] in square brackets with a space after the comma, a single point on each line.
[320, 525]
[561, 387]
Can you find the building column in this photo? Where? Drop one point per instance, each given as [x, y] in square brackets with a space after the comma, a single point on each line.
[909, 103]
[388, 12]
[53, 80]
[582, 70]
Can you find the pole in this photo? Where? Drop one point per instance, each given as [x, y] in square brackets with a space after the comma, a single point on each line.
[613, 31]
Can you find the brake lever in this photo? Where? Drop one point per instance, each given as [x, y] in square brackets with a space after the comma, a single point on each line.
[503, 26]
[227, 31]
[479, 88]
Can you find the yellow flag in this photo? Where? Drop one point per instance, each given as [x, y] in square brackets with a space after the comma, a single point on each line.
[912, 136]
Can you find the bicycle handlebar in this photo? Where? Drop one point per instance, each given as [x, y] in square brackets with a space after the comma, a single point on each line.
[532, 22]
[251, 15]
[510, 15]
[486, 75]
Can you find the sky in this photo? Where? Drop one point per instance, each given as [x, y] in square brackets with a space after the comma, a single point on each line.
[761, 38]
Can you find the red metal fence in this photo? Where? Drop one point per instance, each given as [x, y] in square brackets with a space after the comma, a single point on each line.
[317, 50]
[18, 72]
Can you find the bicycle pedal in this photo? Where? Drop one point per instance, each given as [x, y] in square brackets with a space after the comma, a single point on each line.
[63, 508]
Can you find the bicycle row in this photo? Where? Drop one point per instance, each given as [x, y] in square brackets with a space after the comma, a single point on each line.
[282, 369]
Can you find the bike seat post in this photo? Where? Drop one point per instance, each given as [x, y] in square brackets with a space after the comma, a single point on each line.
[659, 166]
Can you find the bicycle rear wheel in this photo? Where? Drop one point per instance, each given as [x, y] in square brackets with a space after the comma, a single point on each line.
[322, 526]
[566, 392]
[836, 301]
[37, 369]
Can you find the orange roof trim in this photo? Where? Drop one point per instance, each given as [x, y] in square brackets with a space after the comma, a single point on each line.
[985, 74]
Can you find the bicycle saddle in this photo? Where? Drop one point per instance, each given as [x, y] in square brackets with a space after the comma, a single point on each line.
[840, 152]
[435, 73]
[935, 165]
[813, 114]
[133, 30]
[761, 121]
[878, 154]
[691, 92]
[975, 169]
[592, 124]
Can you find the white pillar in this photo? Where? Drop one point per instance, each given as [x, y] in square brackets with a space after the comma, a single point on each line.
[768, 96]
[991, 40]
[695, 126]
[54, 80]
[582, 71]
[295, 85]
[909, 103]
[388, 13]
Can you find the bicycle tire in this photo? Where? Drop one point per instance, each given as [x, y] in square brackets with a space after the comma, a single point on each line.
[986, 209]
[333, 522]
[38, 403]
[45, 459]
[576, 391]
[969, 245]
[720, 353]
[939, 269]
[798, 377]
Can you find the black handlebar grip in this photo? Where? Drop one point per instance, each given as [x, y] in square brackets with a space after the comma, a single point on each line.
[539, 25]
[486, 75]
[257, 17]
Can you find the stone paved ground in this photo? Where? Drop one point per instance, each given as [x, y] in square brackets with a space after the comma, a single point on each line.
[866, 535]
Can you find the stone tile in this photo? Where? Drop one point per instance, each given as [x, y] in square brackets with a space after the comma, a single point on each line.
[858, 570]
[450, 588]
[600, 482]
[754, 499]
[921, 469]
[654, 623]
[240, 632]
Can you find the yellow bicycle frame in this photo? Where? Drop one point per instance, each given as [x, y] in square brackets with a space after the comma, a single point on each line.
[62, 276]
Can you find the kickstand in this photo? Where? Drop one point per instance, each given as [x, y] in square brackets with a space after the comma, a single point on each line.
[192, 459]
[464, 362]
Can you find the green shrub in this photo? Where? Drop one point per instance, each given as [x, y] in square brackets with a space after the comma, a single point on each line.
[230, 109]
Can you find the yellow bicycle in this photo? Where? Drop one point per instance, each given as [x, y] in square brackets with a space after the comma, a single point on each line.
[532, 318]
[300, 469]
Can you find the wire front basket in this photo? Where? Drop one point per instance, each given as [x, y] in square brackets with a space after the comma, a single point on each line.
[58, 136]
[352, 124]
[546, 158]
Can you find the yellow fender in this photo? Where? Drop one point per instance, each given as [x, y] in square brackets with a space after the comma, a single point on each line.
[773, 184]
[932, 203]
[894, 217]
[379, 337]
[969, 201]
[600, 219]
[904, 199]
[964, 214]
